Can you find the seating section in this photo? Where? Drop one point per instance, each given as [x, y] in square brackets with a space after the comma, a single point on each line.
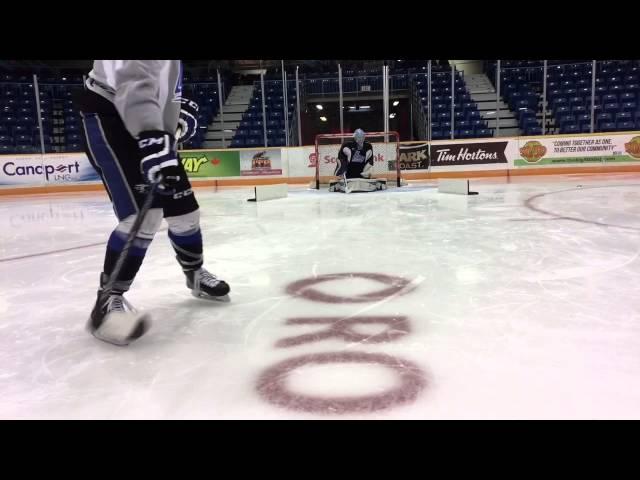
[19, 125]
[364, 80]
[569, 89]
[467, 121]
[61, 124]
[250, 131]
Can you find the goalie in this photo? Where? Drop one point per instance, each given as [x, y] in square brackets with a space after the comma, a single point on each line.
[355, 166]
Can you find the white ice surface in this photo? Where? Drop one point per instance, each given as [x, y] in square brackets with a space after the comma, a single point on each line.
[525, 304]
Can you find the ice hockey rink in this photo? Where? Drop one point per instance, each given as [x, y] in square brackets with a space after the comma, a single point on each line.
[519, 302]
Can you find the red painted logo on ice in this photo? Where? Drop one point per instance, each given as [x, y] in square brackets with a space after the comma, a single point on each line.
[272, 384]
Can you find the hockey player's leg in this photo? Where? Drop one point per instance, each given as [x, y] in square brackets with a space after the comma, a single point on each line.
[113, 319]
[114, 152]
[183, 216]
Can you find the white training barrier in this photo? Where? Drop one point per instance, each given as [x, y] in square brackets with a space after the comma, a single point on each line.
[270, 192]
[454, 185]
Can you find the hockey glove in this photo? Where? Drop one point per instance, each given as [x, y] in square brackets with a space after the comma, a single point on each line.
[159, 159]
[188, 121]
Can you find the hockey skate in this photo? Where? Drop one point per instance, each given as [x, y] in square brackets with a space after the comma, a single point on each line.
[207, 286]
[114, 320]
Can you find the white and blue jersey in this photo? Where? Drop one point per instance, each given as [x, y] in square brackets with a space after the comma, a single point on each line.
[146, 93]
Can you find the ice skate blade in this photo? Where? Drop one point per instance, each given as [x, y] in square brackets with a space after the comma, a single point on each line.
[223, 298]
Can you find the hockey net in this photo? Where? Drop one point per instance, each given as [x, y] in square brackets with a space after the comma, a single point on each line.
[386, 148]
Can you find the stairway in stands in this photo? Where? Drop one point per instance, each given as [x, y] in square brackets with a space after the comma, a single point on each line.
[484, 94]
[236, 104]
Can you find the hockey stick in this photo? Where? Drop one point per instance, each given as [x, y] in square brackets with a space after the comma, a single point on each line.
[135, 229]
[347, 189]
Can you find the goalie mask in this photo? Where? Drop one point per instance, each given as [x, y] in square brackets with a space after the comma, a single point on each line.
[358, 136]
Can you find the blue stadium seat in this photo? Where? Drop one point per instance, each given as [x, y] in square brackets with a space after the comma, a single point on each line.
[469, 106]
[559, 103]
[22, 130]
[552, 95]
[611, 107]
[623, 117]
[526, 122]
[603, 117]
[579, 109]
[437, 134]
[25, 149]
[26, 120]
[607, 127]
[629, 107]
[537, 130]
[570, 128]
[584, 118]
[625, 126]
[573, 101]
[584, 92]
[616, 89]
[468, 133]
[8, 120]
[473, 115]
[566, 119]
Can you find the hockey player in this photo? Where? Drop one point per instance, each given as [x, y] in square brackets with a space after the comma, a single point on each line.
[134, 115]
[355, 165]
[355, 158]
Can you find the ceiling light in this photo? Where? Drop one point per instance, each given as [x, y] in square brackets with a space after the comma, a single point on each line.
[324, 119]
[396, 103]
[319, 107]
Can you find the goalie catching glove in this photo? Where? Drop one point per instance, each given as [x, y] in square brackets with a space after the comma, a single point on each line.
[159, 159]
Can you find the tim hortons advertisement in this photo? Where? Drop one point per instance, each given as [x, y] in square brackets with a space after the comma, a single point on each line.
[260, 162]
[578, 150]
[413, 157]
[39, 169]
[475, 153]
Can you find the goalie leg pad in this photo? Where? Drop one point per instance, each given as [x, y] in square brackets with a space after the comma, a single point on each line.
[358, 185]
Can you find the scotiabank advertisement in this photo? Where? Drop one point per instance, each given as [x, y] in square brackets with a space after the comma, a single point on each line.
[38, 169]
